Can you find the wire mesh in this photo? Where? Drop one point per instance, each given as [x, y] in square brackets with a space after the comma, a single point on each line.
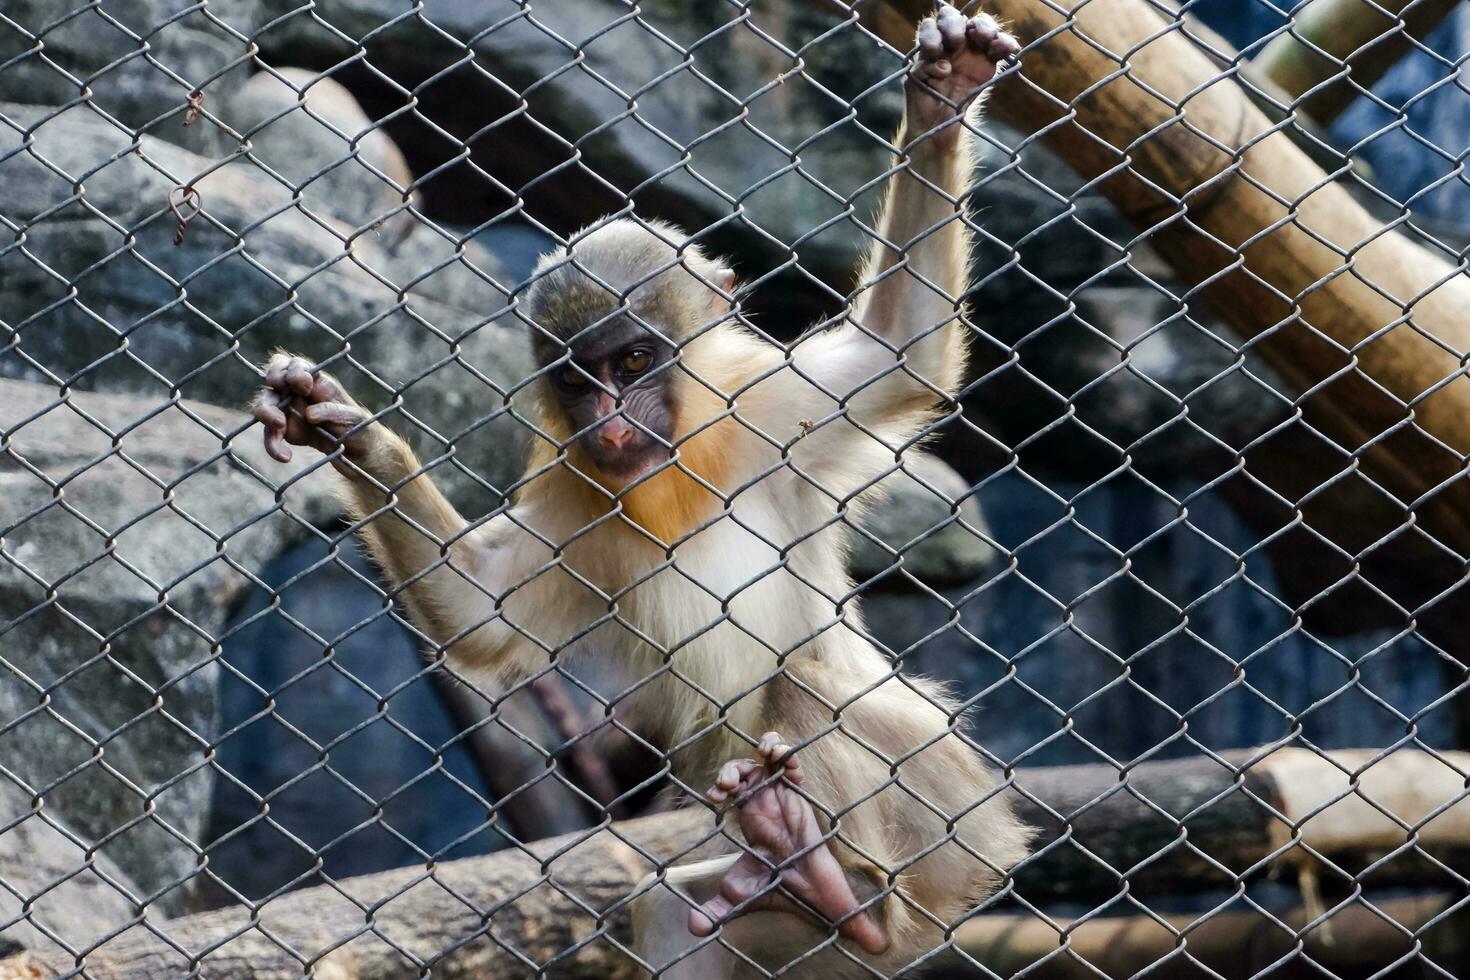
[1177, 560]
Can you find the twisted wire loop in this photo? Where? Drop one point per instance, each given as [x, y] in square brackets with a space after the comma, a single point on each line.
[1172, 532]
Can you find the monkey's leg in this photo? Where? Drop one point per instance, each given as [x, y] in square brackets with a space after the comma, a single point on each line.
[661, 937]
[785, 845]
[768, 941]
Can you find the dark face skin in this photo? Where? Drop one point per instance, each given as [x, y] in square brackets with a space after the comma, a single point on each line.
[617, 392]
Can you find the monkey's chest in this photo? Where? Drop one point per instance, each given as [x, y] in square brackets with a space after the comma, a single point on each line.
[729, 603]
[747, 588]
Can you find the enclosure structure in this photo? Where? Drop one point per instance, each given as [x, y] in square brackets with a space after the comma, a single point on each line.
[1185, 544]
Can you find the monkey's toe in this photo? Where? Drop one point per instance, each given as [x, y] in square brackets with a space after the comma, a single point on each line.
[734, 779]
[951, 25]
[986, 37]
[786, 847]
[778, 756]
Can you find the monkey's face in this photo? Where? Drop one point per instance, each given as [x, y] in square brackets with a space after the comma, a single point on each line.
[617, 391]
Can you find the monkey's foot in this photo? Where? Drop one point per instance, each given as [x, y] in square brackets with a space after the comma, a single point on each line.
[784, 844]
[957, 55]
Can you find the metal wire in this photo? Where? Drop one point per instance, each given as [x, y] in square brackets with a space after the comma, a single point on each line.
[1149, 593]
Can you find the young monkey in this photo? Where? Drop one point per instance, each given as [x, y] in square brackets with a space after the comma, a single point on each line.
[684, 516]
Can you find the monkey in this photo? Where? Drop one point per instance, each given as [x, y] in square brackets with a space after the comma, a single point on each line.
[682, 511]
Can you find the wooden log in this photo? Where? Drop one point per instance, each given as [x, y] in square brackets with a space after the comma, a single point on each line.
[1366, 323]
[1233, 944]
[561, 905]
[558, 906]
[1197, 824]
[1338, 48]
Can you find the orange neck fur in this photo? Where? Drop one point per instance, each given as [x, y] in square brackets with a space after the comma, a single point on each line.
[672, 503]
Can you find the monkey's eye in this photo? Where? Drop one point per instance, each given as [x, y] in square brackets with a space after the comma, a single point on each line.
[636, 361]
[572, 378]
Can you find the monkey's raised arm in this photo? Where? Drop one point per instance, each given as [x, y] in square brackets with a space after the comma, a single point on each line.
[450, 577]
[915, 275]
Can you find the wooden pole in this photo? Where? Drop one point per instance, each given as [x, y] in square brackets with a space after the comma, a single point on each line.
[1230, 944]
[1195, 824]
[1369, 326]
[1332, 41]
[562, 904]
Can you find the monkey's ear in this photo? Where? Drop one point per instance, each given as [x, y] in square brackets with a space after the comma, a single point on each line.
[724, 281]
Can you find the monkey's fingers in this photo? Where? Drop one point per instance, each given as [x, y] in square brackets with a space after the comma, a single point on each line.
[932, 65]
[269, 410]
[986, 37]
[746, 887]
[777, 754]
[931, 42]
[951, 25]
[275, 370]
[300, 432]
[335, 417]
[704, 918]
[328, 389]
[300, 376]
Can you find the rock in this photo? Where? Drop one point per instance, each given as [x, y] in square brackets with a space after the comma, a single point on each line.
[1046, 236]
[101, 298]
[1076, 318]
[134, 526]
[459, 273]
[373, 701]
[309, 137]
[928, 523]
[571, 147]
[139, 59]
[79, 900]
[1069, 656]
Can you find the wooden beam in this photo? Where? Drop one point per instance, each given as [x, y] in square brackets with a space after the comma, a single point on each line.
[1235, 945]
[1367, 325]
[561, 904]
[1195, 824]
[1335, 48]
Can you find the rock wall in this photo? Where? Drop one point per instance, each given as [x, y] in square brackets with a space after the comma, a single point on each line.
[131, 528]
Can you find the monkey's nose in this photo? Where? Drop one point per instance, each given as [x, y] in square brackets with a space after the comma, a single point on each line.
[614, 434]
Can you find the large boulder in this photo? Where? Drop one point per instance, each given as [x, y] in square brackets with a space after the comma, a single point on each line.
[102, 298]
[310, 138]
[926, 523]
[571, 110]
[132, 527]
[136, 60]
[53, 887]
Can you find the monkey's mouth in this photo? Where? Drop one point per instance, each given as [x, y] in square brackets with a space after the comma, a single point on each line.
[629, 464]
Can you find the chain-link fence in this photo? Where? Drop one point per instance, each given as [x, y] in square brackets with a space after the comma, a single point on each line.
[1170, 571]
